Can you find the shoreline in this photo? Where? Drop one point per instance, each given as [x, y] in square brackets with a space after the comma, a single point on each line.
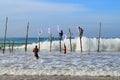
[56, 77]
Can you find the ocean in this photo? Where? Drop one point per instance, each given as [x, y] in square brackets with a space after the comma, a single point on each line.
[88, 44]
[88, 63]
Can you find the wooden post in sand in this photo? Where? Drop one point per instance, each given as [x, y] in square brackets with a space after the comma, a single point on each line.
[70, 36]
[99, 35]
[26, 37]
[80, 32]
[5, 35]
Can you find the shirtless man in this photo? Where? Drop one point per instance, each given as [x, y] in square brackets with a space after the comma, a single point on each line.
[35, 50]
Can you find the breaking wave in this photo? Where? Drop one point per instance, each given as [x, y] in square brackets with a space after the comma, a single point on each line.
[89, 44]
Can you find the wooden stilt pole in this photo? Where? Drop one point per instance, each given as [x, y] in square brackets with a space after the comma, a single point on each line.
[5, 35]
[99, 35]
[9, 47]
[26, 37]
[39, 43]
[50, 42]
[60, 45]
[12, 46]
[81, 43]
[70, 36]
[89, 45]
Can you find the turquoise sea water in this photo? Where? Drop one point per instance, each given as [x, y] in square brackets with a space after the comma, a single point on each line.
[88, 44]
[21, 41]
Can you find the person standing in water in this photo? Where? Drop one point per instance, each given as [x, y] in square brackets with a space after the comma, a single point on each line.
[64, 49]
[80, 32]
[60, 38]
[35, 50]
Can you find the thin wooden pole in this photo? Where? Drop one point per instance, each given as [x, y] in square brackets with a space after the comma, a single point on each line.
[26, 37]
[12, 46]
[60, 44]
[81, 44]
[39, 43]
[99, 35]
[5, 35]
[70, 36]
[50, 42]
[9, 47]
[89, 46]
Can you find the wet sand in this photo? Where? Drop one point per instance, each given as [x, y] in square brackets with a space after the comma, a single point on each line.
[54, 77]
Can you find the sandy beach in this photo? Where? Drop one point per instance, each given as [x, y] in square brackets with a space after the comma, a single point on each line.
[54, 77]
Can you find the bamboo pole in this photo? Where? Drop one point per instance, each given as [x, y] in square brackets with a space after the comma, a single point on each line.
[26, 37]
[99, 35]
[70, 36]
[39, 43]
[50, 42]
[12, 46]
[60, 44]
[89, 45]
[81, 44]
[5, 35]
[9, 47]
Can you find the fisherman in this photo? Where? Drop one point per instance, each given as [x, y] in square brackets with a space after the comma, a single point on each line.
[80, 32]
[60, 34]
[64, 49]
[35, 50]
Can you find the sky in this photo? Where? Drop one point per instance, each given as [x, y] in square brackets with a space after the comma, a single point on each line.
[44, 14]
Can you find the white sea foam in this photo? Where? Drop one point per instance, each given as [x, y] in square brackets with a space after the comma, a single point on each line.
[56, 63]
[88, 63]
[89, 44]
